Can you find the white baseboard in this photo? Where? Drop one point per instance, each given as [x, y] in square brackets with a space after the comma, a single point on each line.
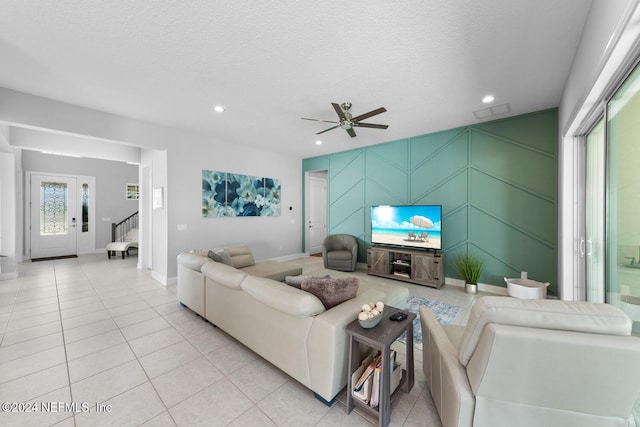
[498, 290]
[288, 257]
[159, 277]
[9, 276]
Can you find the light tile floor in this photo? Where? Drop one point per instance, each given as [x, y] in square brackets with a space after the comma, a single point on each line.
[91, 331]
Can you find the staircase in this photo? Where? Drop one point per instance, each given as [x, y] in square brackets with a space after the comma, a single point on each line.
[120, 230]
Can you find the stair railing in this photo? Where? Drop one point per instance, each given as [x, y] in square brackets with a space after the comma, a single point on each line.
[120, 230]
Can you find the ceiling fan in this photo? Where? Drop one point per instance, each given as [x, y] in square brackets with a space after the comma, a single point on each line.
[348, 122]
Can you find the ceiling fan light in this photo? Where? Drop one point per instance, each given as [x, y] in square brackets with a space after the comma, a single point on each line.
[318, 142]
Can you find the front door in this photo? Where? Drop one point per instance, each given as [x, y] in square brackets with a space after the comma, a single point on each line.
[53, 216]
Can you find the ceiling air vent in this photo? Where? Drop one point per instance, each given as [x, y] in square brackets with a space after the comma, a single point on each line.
[496, 110]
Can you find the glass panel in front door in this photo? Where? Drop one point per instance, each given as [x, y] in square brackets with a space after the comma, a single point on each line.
[53, 209]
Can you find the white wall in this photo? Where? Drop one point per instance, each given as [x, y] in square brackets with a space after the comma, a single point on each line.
[179, 172]
[268, 237]
[601, 33]
[58, 143]
[8, 194]
[157, 161]
[8, 205]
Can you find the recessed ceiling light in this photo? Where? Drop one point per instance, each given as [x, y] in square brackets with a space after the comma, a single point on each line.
[487, 99]
[218, 109]
[318, 142]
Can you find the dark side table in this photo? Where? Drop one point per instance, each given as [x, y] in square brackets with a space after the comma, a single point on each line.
[380, 337]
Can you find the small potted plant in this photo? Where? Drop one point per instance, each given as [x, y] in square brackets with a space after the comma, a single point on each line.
[470, 268]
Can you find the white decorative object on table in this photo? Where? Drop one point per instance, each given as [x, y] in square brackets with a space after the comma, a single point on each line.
[371, 314]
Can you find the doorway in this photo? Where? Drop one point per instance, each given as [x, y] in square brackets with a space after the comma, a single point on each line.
[61, 214]
[316, 210]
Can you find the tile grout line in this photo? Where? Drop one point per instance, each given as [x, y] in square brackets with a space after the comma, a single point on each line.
[64, 344]
[15, 297]
[135, 355]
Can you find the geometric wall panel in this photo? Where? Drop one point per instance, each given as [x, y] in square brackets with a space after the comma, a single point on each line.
[425, 146]
[393, 153]
[512, 247]
[451, 194]
[455, 231]
[391, 183]
[518, 165]
[535, 130]
[496, 182]
[439, 167]
[513, 205]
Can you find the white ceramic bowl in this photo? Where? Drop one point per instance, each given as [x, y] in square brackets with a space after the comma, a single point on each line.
[370, 323]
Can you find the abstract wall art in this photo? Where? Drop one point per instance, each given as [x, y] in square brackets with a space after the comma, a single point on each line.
[230, 194]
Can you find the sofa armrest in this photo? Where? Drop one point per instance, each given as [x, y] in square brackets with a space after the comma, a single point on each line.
[445, 375]
[281, 297]
[192, 261]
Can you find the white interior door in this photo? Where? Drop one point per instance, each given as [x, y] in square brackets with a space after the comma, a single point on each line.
[317, 220]
[53, 216]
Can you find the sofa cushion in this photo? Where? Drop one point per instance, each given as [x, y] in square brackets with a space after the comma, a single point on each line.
[241, 256]
[220, 255]
[274, 270]
[544, 314]
[340, 255]
[332, 292]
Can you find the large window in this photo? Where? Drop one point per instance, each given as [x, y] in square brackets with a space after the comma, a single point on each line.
[623, 199]
[594, 245]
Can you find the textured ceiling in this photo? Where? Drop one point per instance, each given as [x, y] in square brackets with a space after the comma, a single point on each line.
[271, 63]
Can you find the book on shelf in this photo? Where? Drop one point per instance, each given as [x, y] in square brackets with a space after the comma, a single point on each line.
[375, 387]
[394, 378]
[363, 391]
[366, 379]
[367, 372]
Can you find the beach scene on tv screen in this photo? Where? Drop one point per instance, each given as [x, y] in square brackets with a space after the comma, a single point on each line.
[416, 226]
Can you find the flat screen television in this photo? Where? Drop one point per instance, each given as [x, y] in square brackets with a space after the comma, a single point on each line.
[416, 226]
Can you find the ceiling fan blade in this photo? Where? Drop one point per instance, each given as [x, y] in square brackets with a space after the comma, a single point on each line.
[369, 114]
[319, 120]
[326, 130]
[351, 132]
[370, 125]
[339, 111]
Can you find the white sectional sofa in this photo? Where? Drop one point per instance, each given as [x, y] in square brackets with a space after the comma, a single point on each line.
[191, 289]
[287, 326]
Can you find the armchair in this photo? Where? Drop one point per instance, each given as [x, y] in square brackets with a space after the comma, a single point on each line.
[340, 252]
[533, 363]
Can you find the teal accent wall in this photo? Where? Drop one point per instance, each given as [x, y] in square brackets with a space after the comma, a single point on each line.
[496, 181]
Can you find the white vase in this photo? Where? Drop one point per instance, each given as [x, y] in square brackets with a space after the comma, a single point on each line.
[471, 288]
